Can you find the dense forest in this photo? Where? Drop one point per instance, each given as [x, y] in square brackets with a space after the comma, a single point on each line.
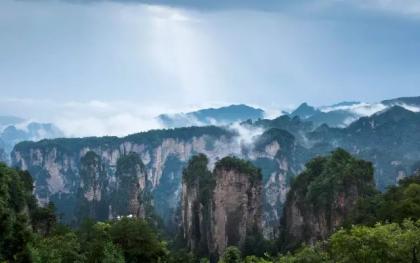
[382, 227]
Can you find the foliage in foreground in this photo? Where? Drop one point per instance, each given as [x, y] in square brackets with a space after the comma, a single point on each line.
[381, 243]
[30, 233]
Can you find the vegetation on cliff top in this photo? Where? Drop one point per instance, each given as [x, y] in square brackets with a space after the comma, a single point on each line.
[284, 138]
[196, 169]
[324, 177]
[196, 175]
[150, 138]
[241, 166]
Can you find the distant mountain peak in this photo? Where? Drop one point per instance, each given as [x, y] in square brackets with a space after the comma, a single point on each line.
[389, 116]
[304, 111]
[212, 116]
[394, 113]
[410, 101]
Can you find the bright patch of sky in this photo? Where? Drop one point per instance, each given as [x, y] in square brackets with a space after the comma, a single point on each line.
[109, 67]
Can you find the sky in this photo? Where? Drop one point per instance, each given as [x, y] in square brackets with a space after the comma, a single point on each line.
[97, 67]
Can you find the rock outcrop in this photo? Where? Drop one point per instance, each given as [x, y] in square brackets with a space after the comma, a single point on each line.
[130, 188]
[93, 183]
[197, 193]
[101, 197]
[220, 209]
[237, 203]
[56, 166]
[323, 196]
[280, 148]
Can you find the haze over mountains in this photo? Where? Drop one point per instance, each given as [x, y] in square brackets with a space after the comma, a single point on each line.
[15, 129]
[386, 134]
[219, 116]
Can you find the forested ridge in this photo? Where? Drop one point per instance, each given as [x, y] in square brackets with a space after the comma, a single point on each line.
[382, 227]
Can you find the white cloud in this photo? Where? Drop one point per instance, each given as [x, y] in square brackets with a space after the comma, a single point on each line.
[367, 109]
[246, 135]
[100, 118]
[410, 107]
[91, 118]
[361, 109]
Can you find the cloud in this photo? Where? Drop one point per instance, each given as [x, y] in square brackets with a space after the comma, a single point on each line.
[171, 55]
[410, 107]
[361, 109]
[101, 118]
[246, 135]
[366, 109]
[399, 7]
[208, 5]
[91, 118]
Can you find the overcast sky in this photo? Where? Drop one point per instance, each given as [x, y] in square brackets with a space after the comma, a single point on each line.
[106, 67]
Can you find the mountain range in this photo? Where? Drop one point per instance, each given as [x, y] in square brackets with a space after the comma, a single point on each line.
[344, 113]
[212, 116]
[14, 130]
[386, 134]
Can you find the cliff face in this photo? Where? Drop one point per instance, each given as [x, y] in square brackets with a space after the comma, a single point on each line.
[101, 197]
[389, 139]
[57, 166]
[280, 157]
[130, 188]
[92, 189]
[197, 191]
[222, 208]
[237, 204]
[323, 196]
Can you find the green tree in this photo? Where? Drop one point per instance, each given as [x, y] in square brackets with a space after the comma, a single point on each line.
[255, 244]
[255, 259]
[63, 248]
[96, 243]
[44, 219]
[232, 254]
[111, 254]
[381, 243]
[15, 233]
[306, 254]
[395, 205]
[181, 255]
[137, 240]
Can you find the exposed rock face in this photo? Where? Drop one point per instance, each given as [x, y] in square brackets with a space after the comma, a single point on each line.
[102, 197]
[56, 167]
[237, 203]
[323, 196]
[220, 209]
[55, 164]
[197, 191]
[390, 140]
[131, 180]
[280, 157]
[93, 182]
[191, 215]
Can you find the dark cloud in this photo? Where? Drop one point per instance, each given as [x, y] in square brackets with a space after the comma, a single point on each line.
[209, 5]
